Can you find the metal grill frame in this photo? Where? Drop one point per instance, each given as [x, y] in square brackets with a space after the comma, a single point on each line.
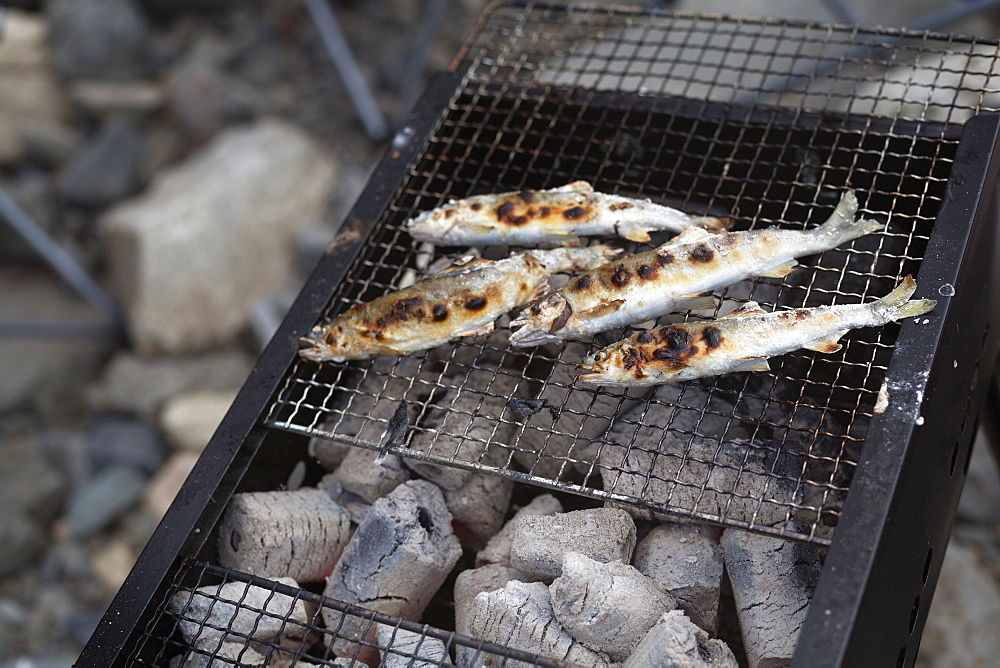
[886, 554]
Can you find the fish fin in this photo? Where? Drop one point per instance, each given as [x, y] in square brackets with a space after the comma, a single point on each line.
[462, 266]
[696, 303]
[751, 364]
[842, 225]
[637, 234]
[689, 236]
[826, 344]
[750, 308]
[602, 309]
[897, 304]
[712, 223]
[781, 270]
[485, 329]
[574, 187]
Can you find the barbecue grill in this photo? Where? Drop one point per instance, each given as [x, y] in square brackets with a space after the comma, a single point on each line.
[862, 452]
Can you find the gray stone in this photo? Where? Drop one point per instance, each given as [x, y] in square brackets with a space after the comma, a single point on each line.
[397, 559]
[675, 642]
[541, 541]
[606, 606]
[106, 169]
[81, 624]
[220, 225]
[165, 485]
[686, 561]
[405, 649]
[32, 485]
[50, 144]
[360, 475]
[773, 580]
[205, 97]
[21, 541]
[497, 550]
[120, 441]
[961, 624]
[108, 496]
[98, 38]
[298, 534]
[126, 383]
[134, 99]
[520, 615]
[980, 500]
[469, 584]
[220, 613]
[190, 419]
[30, 96]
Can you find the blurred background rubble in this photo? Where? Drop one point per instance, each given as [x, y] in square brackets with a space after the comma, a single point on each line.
[195, 157]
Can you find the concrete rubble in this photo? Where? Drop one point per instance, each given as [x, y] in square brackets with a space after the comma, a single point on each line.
[299, 534]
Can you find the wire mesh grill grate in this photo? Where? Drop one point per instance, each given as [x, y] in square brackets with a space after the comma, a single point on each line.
[213, 616]
[767, 122]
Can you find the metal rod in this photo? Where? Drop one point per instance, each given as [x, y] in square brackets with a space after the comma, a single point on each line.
[843, 11]
[347, 67]
[58, 258]
[412, 71]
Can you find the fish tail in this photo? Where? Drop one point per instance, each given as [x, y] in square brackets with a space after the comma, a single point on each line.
[897, 304]
[841, 224]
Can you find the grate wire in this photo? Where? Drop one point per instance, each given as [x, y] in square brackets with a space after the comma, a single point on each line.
[766, 121]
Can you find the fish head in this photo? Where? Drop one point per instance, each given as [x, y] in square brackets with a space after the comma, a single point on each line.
[641, 360]
[329, 343]
[541, 320]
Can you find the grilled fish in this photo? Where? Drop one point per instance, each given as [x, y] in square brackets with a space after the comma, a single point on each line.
[462, 300]
[555, 217]
[740, 341]
[674, 276]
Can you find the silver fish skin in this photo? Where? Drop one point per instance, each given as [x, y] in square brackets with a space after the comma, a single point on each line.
[674, 276]
[554, 217]
[462, 300]
[740, 341]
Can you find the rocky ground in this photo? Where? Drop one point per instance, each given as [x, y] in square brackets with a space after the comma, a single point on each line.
[196, 157]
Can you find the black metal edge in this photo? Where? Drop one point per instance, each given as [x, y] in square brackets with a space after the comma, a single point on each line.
[902, 499]
[208, 488]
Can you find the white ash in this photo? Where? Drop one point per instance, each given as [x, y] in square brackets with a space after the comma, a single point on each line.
[773, 580]
[405, 649]
[497, 550]
[355, 506]
[298, 534]
[360, 476]
[520, 615]
[395, 562]
[541, 541]
[606, 606]
[478, 508]
[469, 584]
[675, 642]
[221, 613]
[686, 561]
[735, 480]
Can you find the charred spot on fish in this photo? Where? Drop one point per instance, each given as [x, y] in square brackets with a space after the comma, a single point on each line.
[536, 309]
[664, 258]
[379, 335]
[676, 338]
[476, 206]
[331, 339]
[583, 282]
[561, 319]
[448, 213]
[402, 308]
[620, 276]
[504, 211]
[630, 358]
[646, 337]
[647, 272]
[620, 206]
[382, 322]
[439, 312]
[527, 196]
[701, 253]
[517, 220]
[524, 287]
[545, 212]
[712, 337]
[475, 303]
[574, 213]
